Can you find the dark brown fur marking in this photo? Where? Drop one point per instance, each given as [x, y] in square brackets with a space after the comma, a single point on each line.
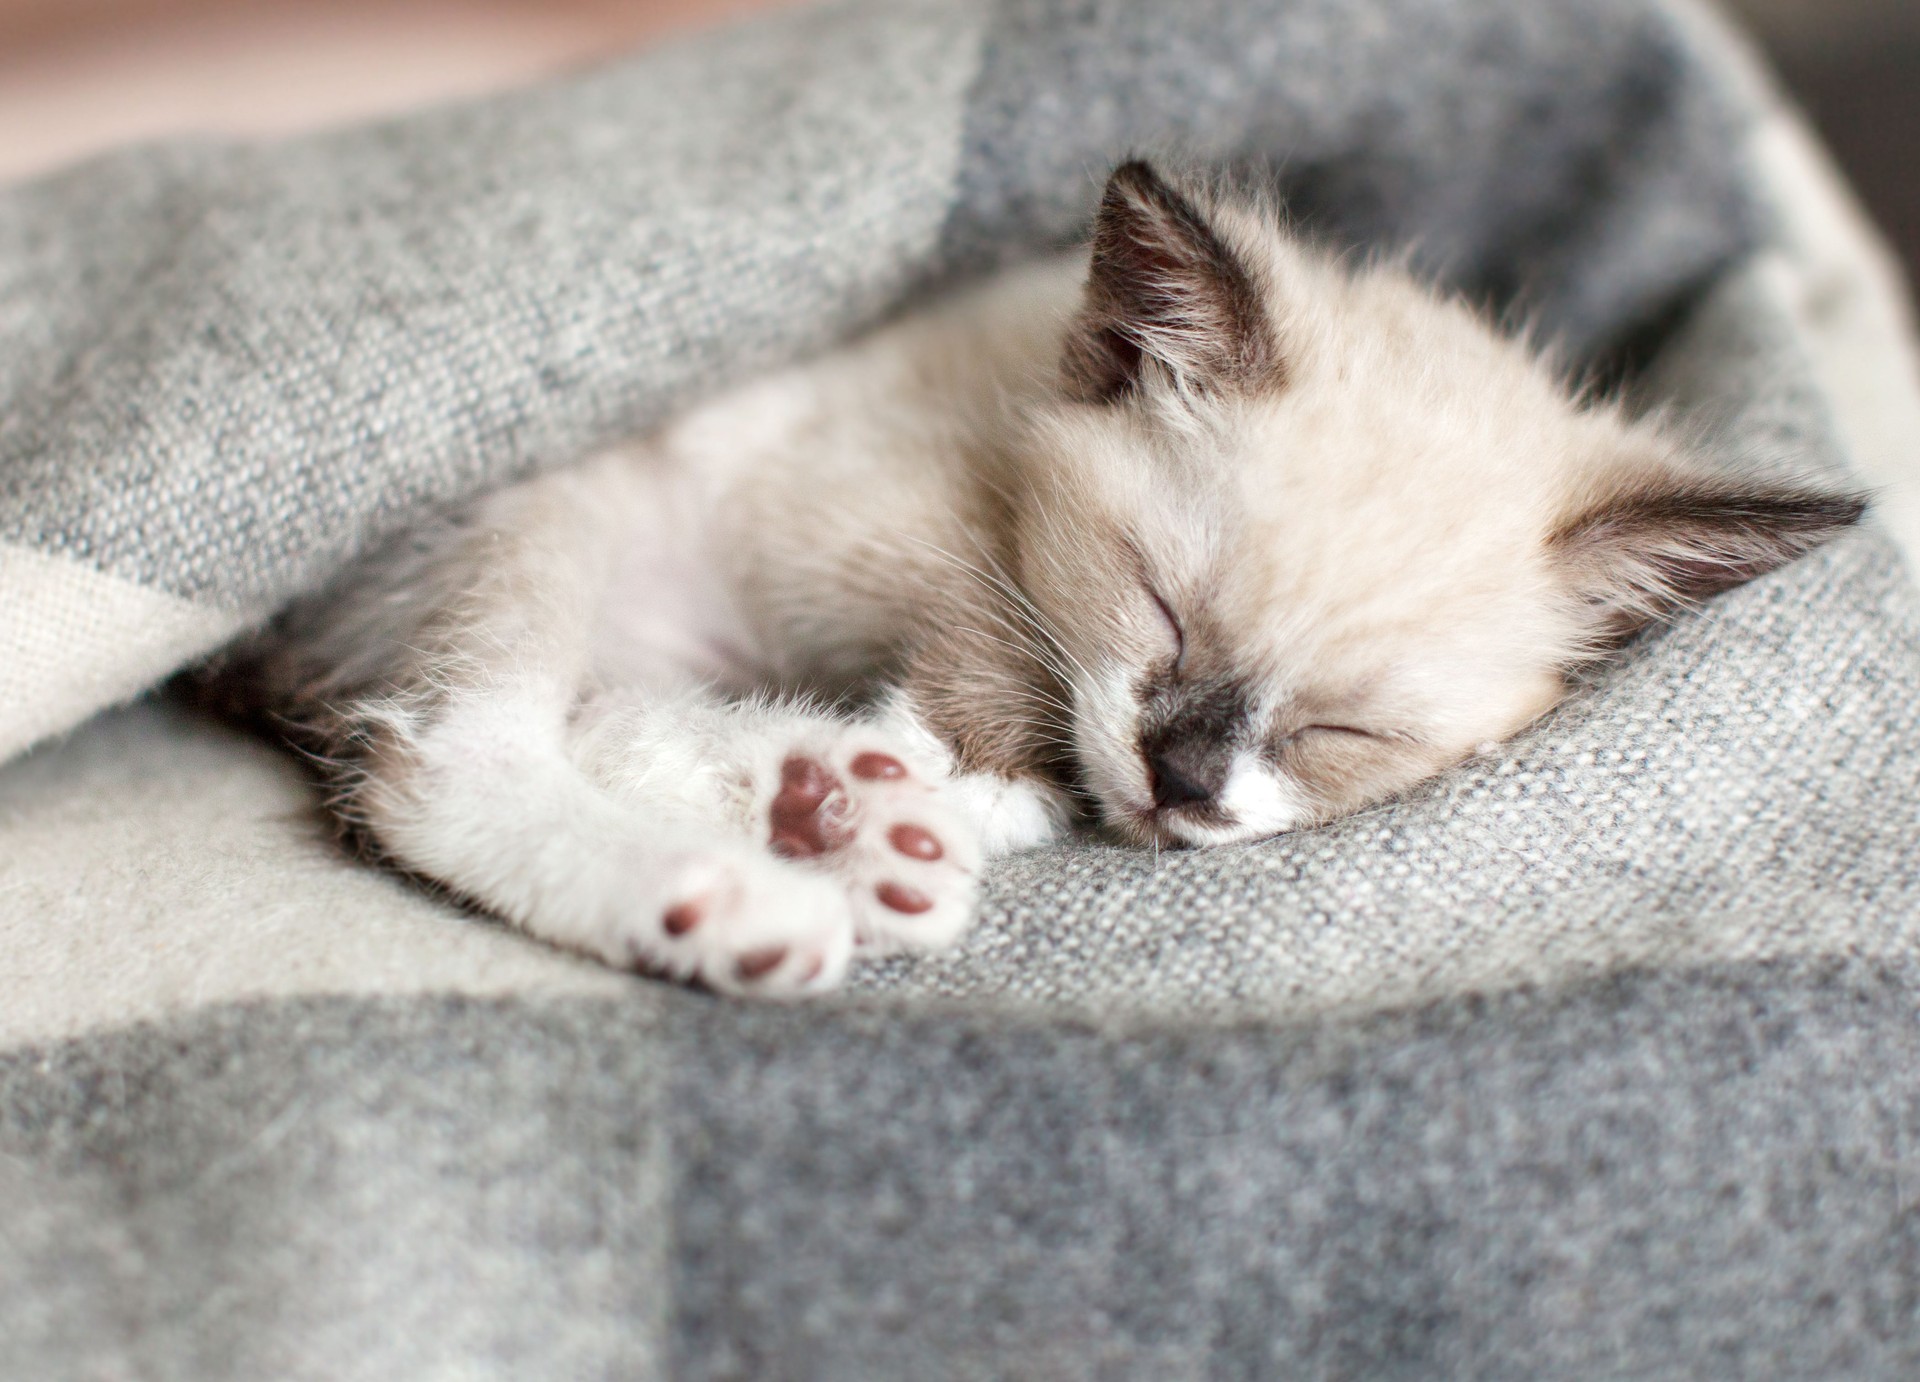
[1164, 284]
[1647, 554]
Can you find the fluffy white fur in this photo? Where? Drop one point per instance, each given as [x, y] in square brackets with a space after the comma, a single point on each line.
[1206, 536]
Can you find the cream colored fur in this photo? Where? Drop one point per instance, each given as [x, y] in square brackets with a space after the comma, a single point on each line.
[1218, 538]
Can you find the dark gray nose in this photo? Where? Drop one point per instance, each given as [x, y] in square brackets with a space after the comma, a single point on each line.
[1186, 772]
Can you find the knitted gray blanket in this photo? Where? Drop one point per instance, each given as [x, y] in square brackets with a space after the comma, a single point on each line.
[1599, 1056]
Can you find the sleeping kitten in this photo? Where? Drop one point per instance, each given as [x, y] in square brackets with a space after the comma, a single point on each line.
[1212, 538]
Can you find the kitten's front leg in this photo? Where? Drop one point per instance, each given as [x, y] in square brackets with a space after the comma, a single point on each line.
[750, 846]
[481, 793]
[446, 688]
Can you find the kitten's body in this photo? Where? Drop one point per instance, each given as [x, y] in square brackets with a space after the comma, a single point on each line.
[1224, 537]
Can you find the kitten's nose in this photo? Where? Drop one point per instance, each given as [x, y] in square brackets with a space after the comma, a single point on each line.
[1186, 772]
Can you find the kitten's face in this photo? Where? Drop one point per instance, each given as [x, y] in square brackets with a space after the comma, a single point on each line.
[1306, 537]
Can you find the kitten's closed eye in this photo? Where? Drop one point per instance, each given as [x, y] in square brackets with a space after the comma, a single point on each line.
[1173, 624]
[1350, 731]
[1313, 750]
[1336, 732]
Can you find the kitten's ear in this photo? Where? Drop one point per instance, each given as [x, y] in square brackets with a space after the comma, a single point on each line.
[1658, 546]
[1163, 285]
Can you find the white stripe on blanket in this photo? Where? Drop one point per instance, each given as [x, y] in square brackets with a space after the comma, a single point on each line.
[73, 639]
[155, 863]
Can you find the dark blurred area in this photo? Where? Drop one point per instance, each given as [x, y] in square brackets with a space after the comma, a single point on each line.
[1855, 67]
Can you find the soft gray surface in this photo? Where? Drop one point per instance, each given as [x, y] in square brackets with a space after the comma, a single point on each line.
[1595, 1058]
[1649, 1176]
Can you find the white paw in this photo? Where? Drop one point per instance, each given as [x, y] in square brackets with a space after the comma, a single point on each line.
[742, 923]
[853, 810]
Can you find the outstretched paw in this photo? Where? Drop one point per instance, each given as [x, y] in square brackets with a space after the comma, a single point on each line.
[856, 811]
[748, 925]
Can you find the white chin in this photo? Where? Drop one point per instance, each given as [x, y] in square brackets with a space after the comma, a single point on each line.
[1257, 801]
[1204, 836]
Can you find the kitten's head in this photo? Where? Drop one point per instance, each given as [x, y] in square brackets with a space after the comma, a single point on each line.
[1308, 534]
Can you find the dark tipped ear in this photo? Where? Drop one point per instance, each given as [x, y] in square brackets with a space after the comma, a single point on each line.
[1652, 550]
[1163, 285]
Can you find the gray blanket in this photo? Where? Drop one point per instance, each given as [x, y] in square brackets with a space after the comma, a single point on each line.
[1596, 1057]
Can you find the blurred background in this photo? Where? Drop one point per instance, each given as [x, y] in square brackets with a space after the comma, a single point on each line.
[1855, 67]
[77, 76]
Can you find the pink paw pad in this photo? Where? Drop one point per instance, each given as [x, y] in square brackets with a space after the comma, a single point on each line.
[757, 964]
[806, 815]
[682, 918]
[916, 842]
[899, 897]
[878, 767]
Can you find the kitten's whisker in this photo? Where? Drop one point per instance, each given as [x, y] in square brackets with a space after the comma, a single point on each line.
[996, 580]
[1049, 709]
[1052, 635]
[1032, 693]
[1051, 646]
[1047, 725]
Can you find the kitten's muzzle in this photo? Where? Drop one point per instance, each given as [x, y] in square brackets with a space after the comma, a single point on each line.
[1186, 772]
